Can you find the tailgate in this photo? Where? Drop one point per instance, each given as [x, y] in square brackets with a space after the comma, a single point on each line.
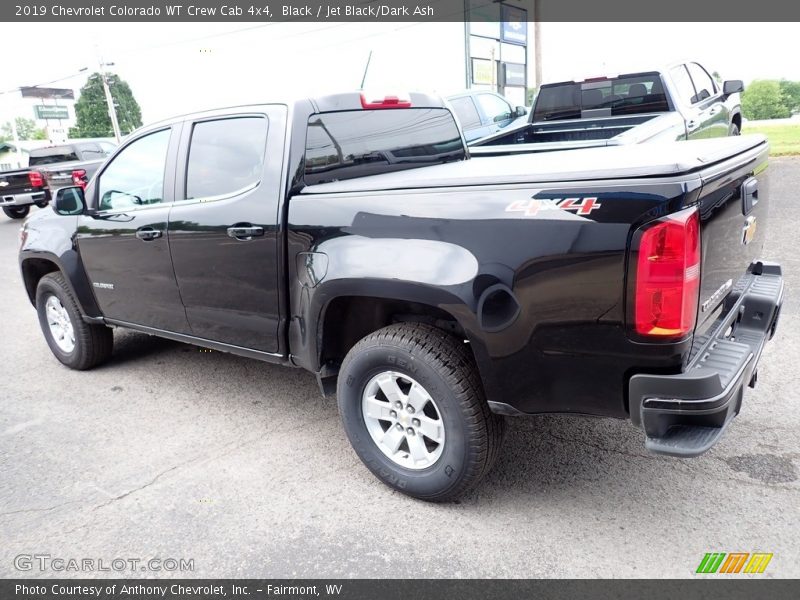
[733, 209]
[15, 183]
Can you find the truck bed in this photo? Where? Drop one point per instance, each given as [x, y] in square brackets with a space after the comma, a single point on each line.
[581, 133]
[650, 161]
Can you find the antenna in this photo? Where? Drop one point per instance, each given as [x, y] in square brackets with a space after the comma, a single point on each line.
[366, 68]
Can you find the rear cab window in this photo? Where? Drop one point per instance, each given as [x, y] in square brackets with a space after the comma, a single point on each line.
[49, 156]
[349, 144]
[630, 94]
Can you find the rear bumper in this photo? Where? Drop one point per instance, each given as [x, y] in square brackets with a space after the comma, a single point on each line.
[23, 199]
[684, 415]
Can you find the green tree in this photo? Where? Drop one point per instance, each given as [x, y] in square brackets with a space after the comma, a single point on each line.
[791, 94]
[26, 130]
[91, 109]
[530, 94]
[764, 99]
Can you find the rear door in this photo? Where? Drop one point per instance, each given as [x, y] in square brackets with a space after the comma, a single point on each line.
[699, 101]
[123, 242]
[223, 228]
[708, 96]
[469, 118]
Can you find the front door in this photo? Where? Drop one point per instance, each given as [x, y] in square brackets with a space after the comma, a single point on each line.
[223, 227]
[123, 241]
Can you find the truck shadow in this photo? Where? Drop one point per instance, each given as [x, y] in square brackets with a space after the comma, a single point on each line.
[546, 458]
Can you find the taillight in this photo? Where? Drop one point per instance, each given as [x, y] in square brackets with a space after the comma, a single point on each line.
[79, 178]
[668, 276]
[36, 179]
[372, 101]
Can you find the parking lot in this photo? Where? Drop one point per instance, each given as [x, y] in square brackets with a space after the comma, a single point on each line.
[173, 452]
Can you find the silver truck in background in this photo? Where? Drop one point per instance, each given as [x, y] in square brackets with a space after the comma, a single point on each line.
[680, 101]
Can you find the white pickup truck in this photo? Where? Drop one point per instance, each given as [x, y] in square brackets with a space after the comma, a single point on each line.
[680, 101]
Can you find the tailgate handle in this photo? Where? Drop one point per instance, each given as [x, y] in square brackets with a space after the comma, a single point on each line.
[749, 195]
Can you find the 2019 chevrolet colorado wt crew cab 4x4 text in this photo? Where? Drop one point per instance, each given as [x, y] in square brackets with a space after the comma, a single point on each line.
[352, 236]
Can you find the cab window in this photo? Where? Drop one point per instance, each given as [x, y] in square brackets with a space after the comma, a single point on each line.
[494, 107]
[683, 84]
[225, 156]
[703, 84]
[135, 177]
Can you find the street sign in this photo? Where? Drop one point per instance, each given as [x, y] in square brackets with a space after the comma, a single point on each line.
[515, 25]
[46, 93]
[482, 71]
[43, 111]
[514, 74]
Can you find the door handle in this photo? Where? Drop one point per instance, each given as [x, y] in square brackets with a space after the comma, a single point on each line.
[245, 232]
[147, 234]
[692, 125]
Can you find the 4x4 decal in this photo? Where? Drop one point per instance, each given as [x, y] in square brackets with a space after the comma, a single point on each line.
[581, 206]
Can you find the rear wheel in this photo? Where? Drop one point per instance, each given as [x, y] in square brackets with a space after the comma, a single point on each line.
[74, 342]
[733, 129]
[413, 408]
[16, 212]
[41, 203]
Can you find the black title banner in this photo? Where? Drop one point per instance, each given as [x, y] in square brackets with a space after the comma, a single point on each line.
[400, 11]
[394, 589]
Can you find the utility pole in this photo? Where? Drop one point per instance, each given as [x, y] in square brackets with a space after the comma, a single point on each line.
[537, 43]
[112, 111]
[15, 137]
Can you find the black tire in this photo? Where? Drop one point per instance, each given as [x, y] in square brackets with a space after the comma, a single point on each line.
[42, 203]
[441, 364]
[93, 343]
[733, 129]
[16, 212]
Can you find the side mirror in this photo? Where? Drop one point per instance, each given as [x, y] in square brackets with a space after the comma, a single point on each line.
[733, 86]
[520, 111]
[70, 201]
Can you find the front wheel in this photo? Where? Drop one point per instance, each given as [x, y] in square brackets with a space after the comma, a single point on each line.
[74, 342]
[733, 129]
[16, 212]
[414, 410]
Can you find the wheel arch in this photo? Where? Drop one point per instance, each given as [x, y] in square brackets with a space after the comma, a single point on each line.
[35, 265]
[343, 312]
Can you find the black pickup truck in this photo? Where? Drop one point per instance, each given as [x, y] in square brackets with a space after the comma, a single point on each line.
[352, 236]
[49, 169]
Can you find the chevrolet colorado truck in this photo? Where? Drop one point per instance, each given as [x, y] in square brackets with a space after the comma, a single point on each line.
[48, 170]
[680, 101]
[352, 236]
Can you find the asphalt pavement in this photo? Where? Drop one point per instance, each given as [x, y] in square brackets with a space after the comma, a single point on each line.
[173, 453]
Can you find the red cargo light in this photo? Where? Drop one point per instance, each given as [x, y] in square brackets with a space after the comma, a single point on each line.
[385, 102]
[79, 178]
[36, 179]
[668, 276]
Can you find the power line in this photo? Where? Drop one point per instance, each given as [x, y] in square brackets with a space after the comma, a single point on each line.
[16, 89]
